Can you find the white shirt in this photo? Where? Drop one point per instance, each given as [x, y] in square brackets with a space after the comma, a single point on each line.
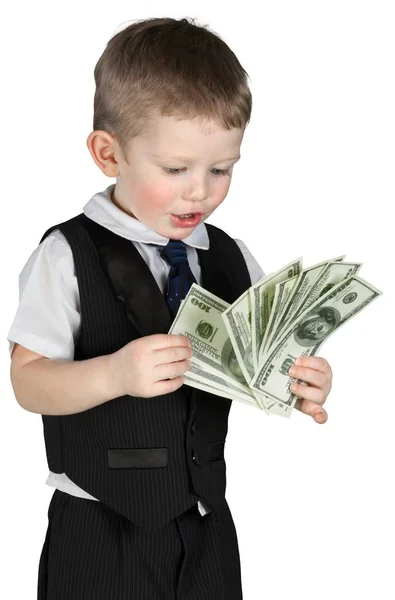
[48, 318]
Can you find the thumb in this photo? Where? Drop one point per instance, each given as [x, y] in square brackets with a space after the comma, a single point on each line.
[308, 407]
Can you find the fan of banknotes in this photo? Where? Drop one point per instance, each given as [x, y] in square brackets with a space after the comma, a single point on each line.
[243, 351]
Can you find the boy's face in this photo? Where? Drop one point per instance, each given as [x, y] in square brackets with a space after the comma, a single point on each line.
[146, 191]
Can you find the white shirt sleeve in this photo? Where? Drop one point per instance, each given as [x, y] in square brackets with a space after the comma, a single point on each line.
[48, 319]
[254, 269]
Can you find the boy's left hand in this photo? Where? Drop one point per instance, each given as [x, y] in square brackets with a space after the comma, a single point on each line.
[317, 373]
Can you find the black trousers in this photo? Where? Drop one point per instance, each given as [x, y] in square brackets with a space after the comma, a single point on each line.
[91, 552]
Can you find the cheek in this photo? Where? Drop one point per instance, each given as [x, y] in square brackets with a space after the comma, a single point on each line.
[156, 195]
[221, 192]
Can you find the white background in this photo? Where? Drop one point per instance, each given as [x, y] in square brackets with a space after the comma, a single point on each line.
[313, 504]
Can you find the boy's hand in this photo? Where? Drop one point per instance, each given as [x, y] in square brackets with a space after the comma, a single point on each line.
[317, 373]
[151, 365]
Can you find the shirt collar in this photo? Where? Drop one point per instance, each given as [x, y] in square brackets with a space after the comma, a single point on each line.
[101, 209]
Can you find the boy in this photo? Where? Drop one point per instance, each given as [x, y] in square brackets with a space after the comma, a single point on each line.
[136, 457]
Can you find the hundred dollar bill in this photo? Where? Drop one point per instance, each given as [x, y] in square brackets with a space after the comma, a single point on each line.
[201, 385]
[199, 318]
[262, 295]
[279, 408]
[237, 320]
[331, 275]
[263, 401]
[282, 294]
[212, 382]
[260, 314]
[300, 291]
[215, 384]
[305, 336]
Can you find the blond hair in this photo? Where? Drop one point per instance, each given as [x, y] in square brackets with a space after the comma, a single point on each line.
[168, 67]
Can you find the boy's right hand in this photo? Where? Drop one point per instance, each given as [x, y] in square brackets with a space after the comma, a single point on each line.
[143, 367]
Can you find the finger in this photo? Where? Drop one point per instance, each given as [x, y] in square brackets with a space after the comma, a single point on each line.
[168, 340]
[314, 362]
[308, 392]
[171, 370]
[318, 413]
[171, 354]
[316, 378]
[168, 386]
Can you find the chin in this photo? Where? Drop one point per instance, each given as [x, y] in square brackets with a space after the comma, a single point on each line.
[180, 235]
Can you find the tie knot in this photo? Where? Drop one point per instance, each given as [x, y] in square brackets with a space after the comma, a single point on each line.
[174, 252]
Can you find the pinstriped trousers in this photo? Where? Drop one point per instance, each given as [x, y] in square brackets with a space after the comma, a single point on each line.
[91, 552]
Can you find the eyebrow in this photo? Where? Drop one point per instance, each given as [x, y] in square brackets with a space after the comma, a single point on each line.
[186, 159]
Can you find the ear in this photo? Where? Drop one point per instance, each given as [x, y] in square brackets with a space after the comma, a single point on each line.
[104, 151]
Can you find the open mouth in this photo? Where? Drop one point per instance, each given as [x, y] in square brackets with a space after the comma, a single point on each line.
[190, 215]
[186, 220]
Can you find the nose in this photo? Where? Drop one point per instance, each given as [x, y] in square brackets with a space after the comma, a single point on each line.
[197, 191]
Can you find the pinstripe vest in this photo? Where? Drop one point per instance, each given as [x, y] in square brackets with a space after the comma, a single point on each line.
[149, 459]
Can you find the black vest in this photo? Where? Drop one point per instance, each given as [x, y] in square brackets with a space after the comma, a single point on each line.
[149, 459]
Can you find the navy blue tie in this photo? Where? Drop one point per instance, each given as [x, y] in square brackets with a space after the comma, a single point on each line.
[180, 277]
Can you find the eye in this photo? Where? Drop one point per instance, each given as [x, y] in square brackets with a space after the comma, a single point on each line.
[223, 171]
[220, 172]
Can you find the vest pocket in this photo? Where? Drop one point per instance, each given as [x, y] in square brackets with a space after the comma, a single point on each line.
[137, 458]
